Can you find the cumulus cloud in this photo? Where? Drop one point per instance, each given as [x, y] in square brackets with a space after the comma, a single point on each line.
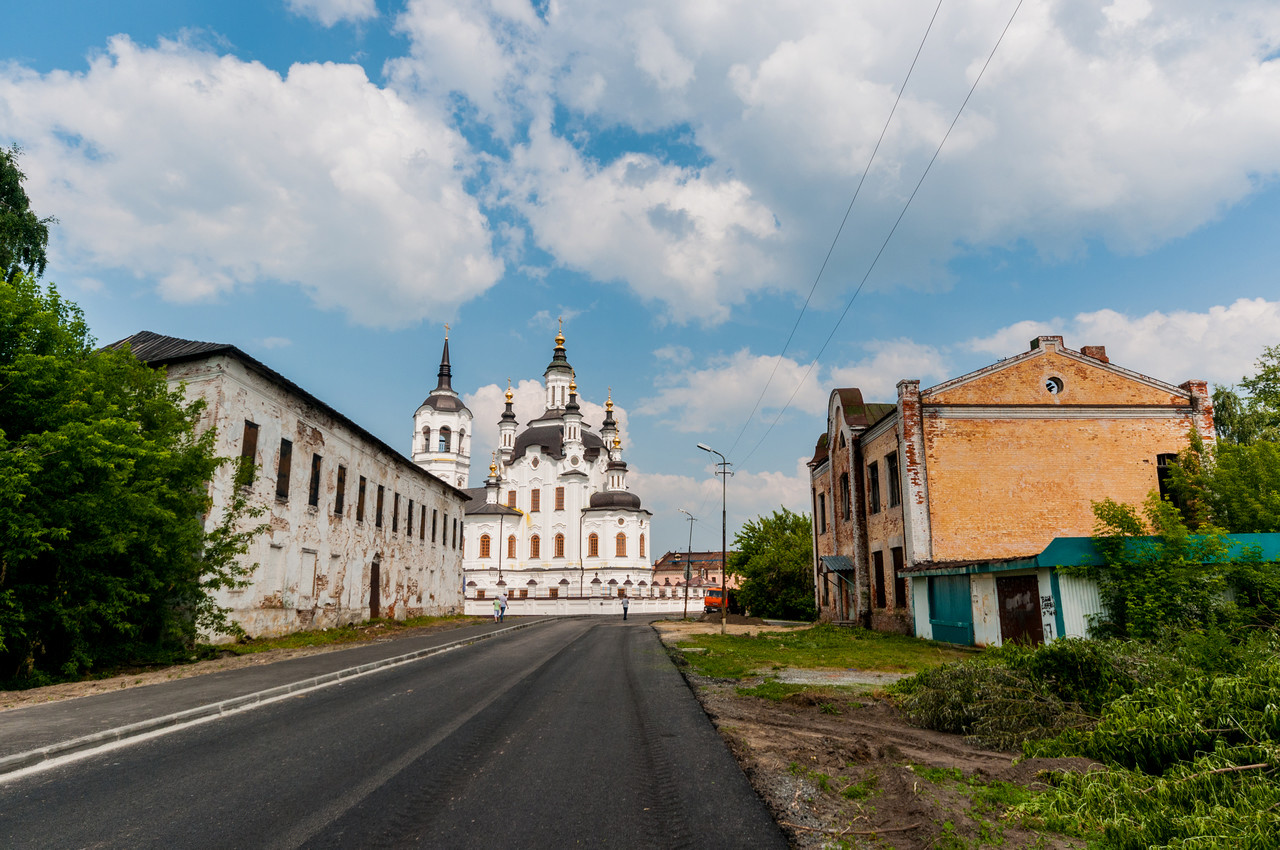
[891, 361]
[1219, 345]
[692, 399]
[330, 12]
[206, 173]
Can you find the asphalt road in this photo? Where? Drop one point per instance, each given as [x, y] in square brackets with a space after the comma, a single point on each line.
[572, 733]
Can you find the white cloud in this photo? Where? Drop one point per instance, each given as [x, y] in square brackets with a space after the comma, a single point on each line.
[330, 12]
[1219, 345]
[705, 399]
[891, 361]
[275, 342]
[207, 173]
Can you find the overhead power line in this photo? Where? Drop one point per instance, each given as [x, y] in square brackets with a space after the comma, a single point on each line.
[885, 243]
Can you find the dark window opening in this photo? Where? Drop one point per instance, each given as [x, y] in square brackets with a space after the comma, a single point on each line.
[377, 517]
[408, 521]
[395, 514]
[249, 453]
[1164, 464]
[360, 501]
[895, 482]
[455, 532]
[422, 524]
[446, 438]
[313, 491]
[340, 497]
[822, 513]
[282, 471]
[873, 488]
[846, 500]
[877, 562]
[435, 514]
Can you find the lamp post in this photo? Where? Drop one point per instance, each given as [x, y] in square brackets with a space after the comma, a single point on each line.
[724, 472]
[688, 562]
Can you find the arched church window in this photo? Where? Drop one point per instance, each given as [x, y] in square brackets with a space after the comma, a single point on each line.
[641, 545]
[462, 436]
[426, 439]
[621, 545]
[535, 547]
[511, 546]
[484, 546]
[445, 441]
[593, 545]
[559, 545]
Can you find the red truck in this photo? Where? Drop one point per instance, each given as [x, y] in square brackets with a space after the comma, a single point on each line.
[713, 600]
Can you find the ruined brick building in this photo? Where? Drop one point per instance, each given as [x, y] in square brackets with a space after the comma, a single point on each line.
[940, 503]
[356, 529]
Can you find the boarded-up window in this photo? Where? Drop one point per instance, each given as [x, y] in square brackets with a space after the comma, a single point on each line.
[559, 545]
[484, 546]
[895, 483]
[846, 500]
[339, 498]
[284, 468]
[535, 547]
[377, 517]
[435, 514]
[593, 546]
[620, 544]
[313, 491]
[822, 513]
[249, 451]
[535, 500]
[641, 545]
[360, 501]
[559, 498]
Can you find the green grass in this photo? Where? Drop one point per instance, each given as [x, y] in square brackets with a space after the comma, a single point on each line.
[772, 689]
[820, 646]
[860, 790]
[351, 633]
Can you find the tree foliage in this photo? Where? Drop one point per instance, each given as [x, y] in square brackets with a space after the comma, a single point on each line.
[1251, 412]
[103, 496]
[23, 236]
[1232, 486]
[774, 560]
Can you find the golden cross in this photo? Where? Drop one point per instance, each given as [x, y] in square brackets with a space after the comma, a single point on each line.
[446, 330]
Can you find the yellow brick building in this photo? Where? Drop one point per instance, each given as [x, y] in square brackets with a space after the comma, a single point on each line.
[991, 465]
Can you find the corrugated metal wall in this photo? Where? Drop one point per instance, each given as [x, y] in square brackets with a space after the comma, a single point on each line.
[1079, 601]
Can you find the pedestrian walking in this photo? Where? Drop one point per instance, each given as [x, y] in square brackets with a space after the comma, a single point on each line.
[502, 603]
[497, 610]
[626, 603]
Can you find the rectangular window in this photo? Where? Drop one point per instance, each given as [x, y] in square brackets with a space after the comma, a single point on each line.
[535, 500]
[377, 517]
[846, 500]
[395, 514]
[422, 524]
[455, 532]
[1163, 464]
[340, 497]
[895, 483]
[873, 488]
[283, 470]
[553, 593]
[480, 593]
[511, 498]
[249, 451]
[313, 491]
[360, 501]
[899, 580]
[559, 498]
[524, 593]
[822, 513]
[435, 514]
[408, 521]
[877, 575]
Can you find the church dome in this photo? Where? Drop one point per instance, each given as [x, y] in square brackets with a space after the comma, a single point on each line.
[547, 431]
[615, 499]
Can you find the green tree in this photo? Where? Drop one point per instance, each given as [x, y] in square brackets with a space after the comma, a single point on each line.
[1251, 411]
[1230, 486]
[774, 560]
[23, 236]
[104, 555]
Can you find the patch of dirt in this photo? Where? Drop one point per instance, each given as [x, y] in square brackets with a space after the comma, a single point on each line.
[369, 632]
[849, 771]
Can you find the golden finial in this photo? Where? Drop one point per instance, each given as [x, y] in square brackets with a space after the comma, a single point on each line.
[617, 442]
[560, 331]
[510, 394]
[446, 330]
[493, 465]
[608, 405]
[573, 382]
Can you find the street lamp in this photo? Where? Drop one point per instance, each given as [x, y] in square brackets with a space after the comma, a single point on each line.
[724, 472]
[688, 564]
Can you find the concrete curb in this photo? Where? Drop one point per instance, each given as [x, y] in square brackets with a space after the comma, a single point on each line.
[18, 761]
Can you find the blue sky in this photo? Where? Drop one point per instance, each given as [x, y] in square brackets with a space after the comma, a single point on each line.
[325, 183]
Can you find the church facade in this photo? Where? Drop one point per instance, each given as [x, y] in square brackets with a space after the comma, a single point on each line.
[555, 526]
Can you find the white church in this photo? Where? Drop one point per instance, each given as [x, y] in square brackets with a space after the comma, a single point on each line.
[554, 525]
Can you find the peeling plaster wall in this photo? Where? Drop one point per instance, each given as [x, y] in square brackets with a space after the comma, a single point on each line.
[315, 565]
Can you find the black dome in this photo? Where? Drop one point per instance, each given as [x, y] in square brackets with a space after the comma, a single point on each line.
[547, 431]
[615, 499]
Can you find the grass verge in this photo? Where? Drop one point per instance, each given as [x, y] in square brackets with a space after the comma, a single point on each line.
[821, 646]
[350, 633]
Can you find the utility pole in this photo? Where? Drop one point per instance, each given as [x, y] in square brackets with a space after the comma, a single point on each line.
[723, 471]
[688, 563]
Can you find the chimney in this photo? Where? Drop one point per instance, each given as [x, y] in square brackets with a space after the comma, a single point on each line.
[1097, 352]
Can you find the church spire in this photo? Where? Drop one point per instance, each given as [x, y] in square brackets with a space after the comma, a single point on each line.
[445, 372]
